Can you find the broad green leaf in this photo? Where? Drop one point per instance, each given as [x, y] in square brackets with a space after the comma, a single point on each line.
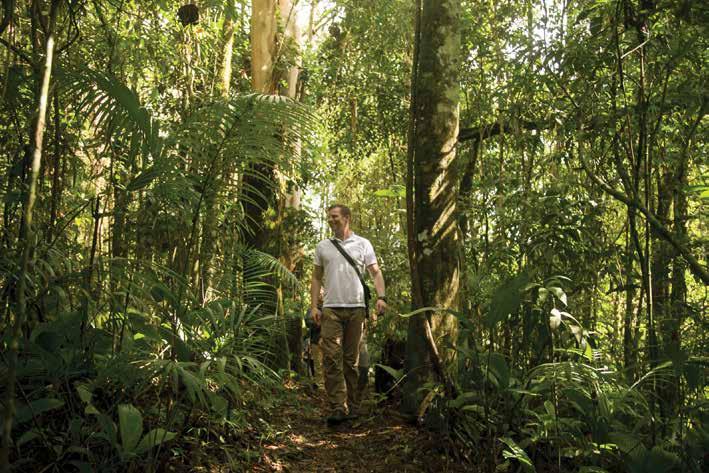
[27, 437]
[558, 292]
[49, 340]
[516, 452]
[396, 374]
[498, 365]
[462, 399]
[549, 407]
[153, 438]
[506, 299]
[588, 351]
[474, 408]
[130, 422]
[393, 191]
[25, 412]
[84, 393]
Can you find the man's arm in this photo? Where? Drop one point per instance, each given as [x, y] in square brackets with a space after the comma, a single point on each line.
[315, 285]
[379, 287]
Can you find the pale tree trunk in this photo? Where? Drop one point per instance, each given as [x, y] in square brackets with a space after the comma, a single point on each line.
[290, 254]
[436, 241]
[264, 55]
[263, 44]
[264, 25]
[228, 47]
[671, 328]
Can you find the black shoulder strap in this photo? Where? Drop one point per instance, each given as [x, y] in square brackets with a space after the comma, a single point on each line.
[348, 258]
[359, 275]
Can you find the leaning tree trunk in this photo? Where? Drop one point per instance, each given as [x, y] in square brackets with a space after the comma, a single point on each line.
[436, 239]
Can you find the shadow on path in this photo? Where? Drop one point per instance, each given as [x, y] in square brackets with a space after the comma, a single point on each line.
[377, 442]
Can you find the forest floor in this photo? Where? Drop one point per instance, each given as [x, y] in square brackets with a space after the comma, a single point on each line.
[377, 442]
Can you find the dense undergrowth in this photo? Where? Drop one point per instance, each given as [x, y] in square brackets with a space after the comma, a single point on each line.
[112, 391]
[575, 411]
[152, 335]
[129, 390]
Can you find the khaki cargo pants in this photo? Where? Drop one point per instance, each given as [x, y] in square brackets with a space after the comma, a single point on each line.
[340, 338]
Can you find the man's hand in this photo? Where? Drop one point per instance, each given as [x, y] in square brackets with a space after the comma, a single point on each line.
[381, 307]
[317, 315]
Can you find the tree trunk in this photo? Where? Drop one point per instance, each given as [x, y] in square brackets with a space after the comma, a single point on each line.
[260, 194]
[27, 244]
[263, 44]
[435, 185]
[228, 47]
[629, 355]
[56, 193]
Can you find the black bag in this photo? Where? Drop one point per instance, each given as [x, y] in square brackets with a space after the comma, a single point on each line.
[365, 287]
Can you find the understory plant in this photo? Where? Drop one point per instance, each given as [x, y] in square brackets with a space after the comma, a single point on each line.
[572, 412]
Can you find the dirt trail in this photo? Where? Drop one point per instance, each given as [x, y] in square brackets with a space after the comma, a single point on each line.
[377, 442]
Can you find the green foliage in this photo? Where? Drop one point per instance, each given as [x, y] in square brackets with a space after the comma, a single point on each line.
[152, 325]
[515, 452]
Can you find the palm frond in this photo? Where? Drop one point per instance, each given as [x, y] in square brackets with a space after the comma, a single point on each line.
[114, 109]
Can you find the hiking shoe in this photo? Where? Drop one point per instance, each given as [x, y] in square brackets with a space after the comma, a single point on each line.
[336, 418]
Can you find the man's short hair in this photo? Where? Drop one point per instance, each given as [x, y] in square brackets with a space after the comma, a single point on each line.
[344, 210]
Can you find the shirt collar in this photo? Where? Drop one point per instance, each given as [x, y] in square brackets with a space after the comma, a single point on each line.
[352, 235]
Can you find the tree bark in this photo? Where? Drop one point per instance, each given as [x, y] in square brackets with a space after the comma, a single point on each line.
[435, 186]
[263, 44]
[228, 47]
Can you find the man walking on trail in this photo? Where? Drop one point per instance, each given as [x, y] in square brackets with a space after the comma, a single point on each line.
[339, 267]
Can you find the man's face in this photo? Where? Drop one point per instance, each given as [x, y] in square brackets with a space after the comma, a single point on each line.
[336, 220]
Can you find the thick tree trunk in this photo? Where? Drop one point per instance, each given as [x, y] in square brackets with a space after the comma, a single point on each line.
[262, 193]
[263, 44]
[259, 194]
[435, 185]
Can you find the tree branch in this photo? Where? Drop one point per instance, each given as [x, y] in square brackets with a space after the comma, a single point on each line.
[694, 264]
[497, 128]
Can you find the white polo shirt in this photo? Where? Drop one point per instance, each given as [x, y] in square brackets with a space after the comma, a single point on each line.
[342, 287]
